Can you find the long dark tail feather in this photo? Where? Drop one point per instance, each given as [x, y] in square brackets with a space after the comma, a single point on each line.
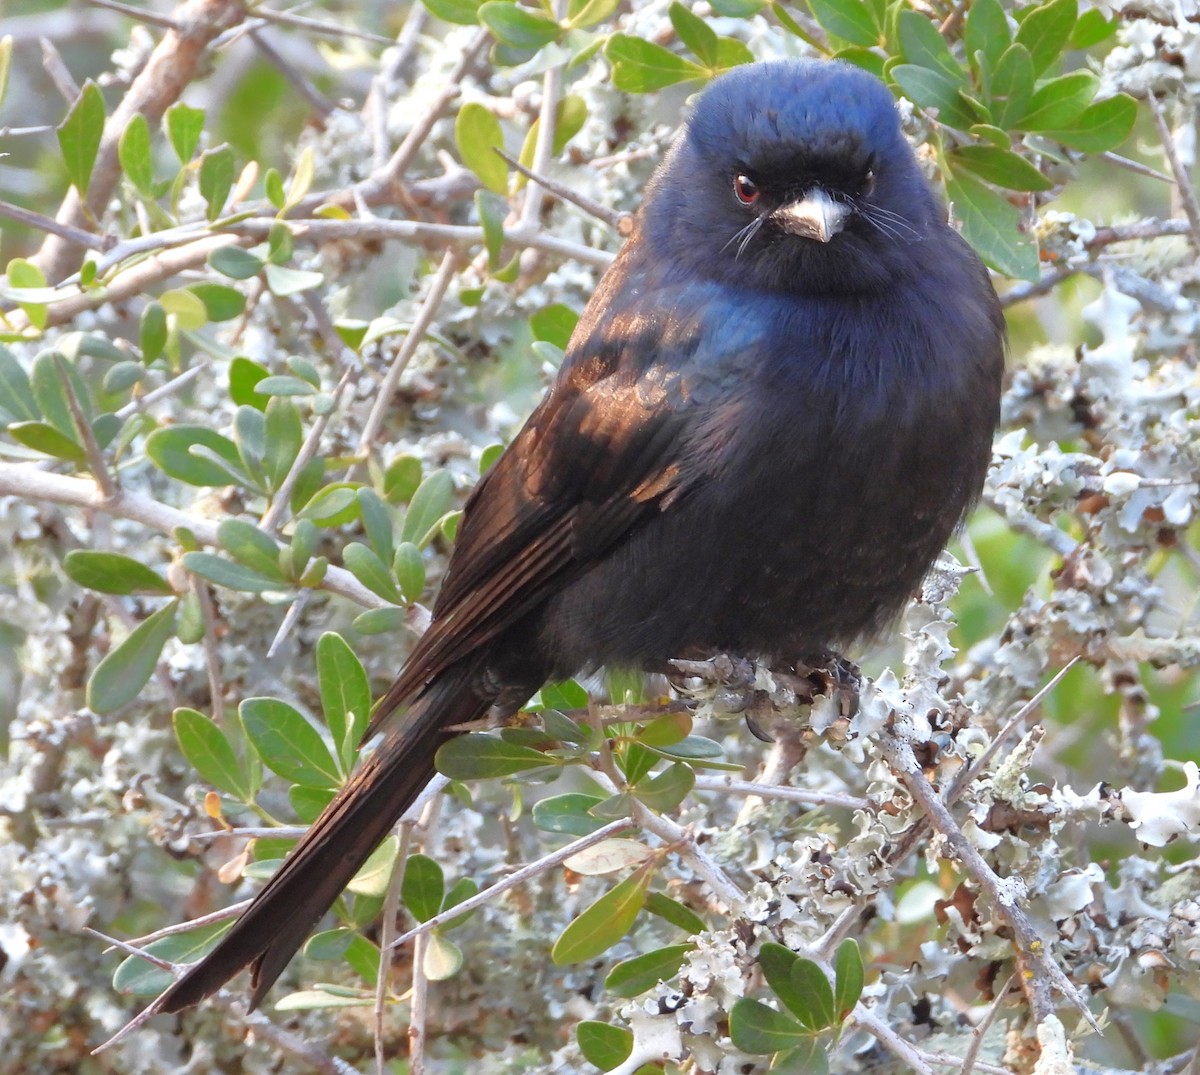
[276, 924]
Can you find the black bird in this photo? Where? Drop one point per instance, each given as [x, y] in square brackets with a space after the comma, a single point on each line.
[772, 415]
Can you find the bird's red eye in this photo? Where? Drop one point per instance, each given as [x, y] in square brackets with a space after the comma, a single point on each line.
[745, 190]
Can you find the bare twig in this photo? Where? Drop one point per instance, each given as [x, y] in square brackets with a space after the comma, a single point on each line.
[1183, 181]
[59, 74]
[91, 449]
[321, 104]
[531, 208]
[138, 14]
[317, 26]
[387, 934]
[32, 483]
[53, 227]
[980, 1031]
[1032, 952]
[420, 325]
[611, 217]
[730, 786]
[517, 877]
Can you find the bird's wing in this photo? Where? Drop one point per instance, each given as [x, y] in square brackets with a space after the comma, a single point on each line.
[608, 448]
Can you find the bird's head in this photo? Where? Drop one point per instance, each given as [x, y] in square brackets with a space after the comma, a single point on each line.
[793, 176]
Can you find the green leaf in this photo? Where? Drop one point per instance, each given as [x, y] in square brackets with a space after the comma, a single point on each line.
[492, 210]
[288, 744]
[285, 434]
[309, 802]
[664, 793]
[477, 134]
[284, 385]
[695, 33]
[851, 20]
[169, 450]
[373, 878]
[190, 627]
[250, 546]
[642, 67]
[1060, 102]
[345, 693]
[676, 913]
[122, 376]
[140, 978]
[519, 27]
[429, 503]
[1091, 28]
[565, 695]
[423, 887]
[186, 308]
[1011, 86]
[283, 280]
[408, 565]
[691, 748]
[134, 152]
[232, 576]
[554, 323]
[459, 12]
[1045, 31]
[16, 397]
[244, 374]
[152, 331]
[849, 976]
[739, 9]
[604, 923]
[6, 48]
[922, 44]
[992, 226]
[44, 438]
[236, 263]
[184, 125]
[120, 677]
[80, 133]
[591, 13]
[757, 1029]
[110, 572]
[1101, 127]
[987, 31]
[482, 757]
[443, 958]
[567, 814]
[372, 572]
[932, 89]
[378, 621]
[799, 983]
[216, 178]
[1001, 166]
[333, 505]
[633, 976]
[47, 382]
[607, 1047]
[220, 302]
[210, 753]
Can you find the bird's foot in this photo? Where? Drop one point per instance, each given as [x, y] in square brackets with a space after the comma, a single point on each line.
[826, 675]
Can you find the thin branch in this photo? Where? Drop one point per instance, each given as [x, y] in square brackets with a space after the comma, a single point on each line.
[321, 104]
[1135, 166]
[53, 227]
[787, 794]
[1032, 952]
[616, 220]
[979, 1032]
[416, 334]
[406, 152]
[138, 14]
[517, 877]
[91, 449]
[32, 483]
[317, 26]
[59, 74]
[531, 208]
[1183, 181]
[387, 934]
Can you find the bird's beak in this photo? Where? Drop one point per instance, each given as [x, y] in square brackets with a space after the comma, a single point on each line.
[815, 216]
